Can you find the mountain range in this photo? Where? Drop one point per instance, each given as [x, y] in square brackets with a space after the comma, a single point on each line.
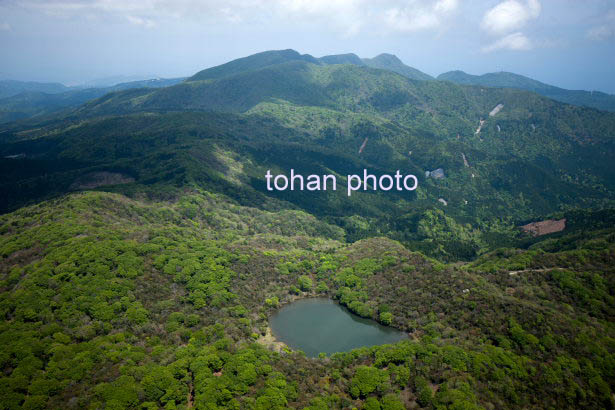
[595, 99]
[142, 253]
[19, 100]
[22, 100]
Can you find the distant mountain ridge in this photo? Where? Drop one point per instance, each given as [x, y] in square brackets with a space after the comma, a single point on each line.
[390, 62]
[44, 98]
[349, 58]
[594, 99]
[9, 88]
[274, 57]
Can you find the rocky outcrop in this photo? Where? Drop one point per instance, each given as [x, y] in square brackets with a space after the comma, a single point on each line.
[436, 173]
[545, 227]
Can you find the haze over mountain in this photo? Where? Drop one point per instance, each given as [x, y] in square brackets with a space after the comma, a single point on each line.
[9, 88]
[595, 99]
[26, 100]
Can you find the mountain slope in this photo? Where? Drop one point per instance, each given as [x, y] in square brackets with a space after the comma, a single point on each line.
[109, 301]
[593, 99]
[534, 157]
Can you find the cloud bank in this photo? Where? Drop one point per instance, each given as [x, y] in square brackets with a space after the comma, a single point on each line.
[604, 31]
[510, 15]
[348, 17]
[504, 21]
[514, 41]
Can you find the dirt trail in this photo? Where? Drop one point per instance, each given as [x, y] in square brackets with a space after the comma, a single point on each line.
[515, 272]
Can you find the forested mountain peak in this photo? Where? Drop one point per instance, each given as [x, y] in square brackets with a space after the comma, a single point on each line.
[391, 62]
[252, 62]
[349, 58]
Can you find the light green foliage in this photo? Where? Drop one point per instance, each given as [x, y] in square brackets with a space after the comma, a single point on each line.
[272, 302]
[305, 283]
[367, 380]
[386, 318]
[322, 287]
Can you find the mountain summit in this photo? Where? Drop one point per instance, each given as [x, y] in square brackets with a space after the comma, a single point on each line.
[390, 62]
[252, 62]
[273, 57]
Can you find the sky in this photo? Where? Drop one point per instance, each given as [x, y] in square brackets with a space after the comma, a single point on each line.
[567, 43]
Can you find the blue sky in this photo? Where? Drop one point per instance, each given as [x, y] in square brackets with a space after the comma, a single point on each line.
[562, 42]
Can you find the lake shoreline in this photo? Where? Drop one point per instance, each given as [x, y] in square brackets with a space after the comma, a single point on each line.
[269, 339]
[271, 342]
[319, 324]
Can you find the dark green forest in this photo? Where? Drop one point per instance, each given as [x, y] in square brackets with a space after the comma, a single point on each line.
[142, 255]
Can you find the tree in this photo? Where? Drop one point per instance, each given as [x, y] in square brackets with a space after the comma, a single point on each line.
[305, 283]
[367, 380]
[386, 318]
[392, 402]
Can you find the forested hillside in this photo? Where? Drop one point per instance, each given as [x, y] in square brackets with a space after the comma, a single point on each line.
[141, 253]
[531, 158]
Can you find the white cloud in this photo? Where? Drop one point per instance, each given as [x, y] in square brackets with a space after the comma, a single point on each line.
[142, 22]
[419, 15]
[318, 6]
[446, 6]
[515, 41]
[230, 15]
[510, 15]
[604, 31]
[348, 17]
[5, 27]
[505, 19]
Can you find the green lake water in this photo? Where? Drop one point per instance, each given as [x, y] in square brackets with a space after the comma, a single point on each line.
[318, 325]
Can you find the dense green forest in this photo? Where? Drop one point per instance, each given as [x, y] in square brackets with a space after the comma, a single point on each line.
[142, 255]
